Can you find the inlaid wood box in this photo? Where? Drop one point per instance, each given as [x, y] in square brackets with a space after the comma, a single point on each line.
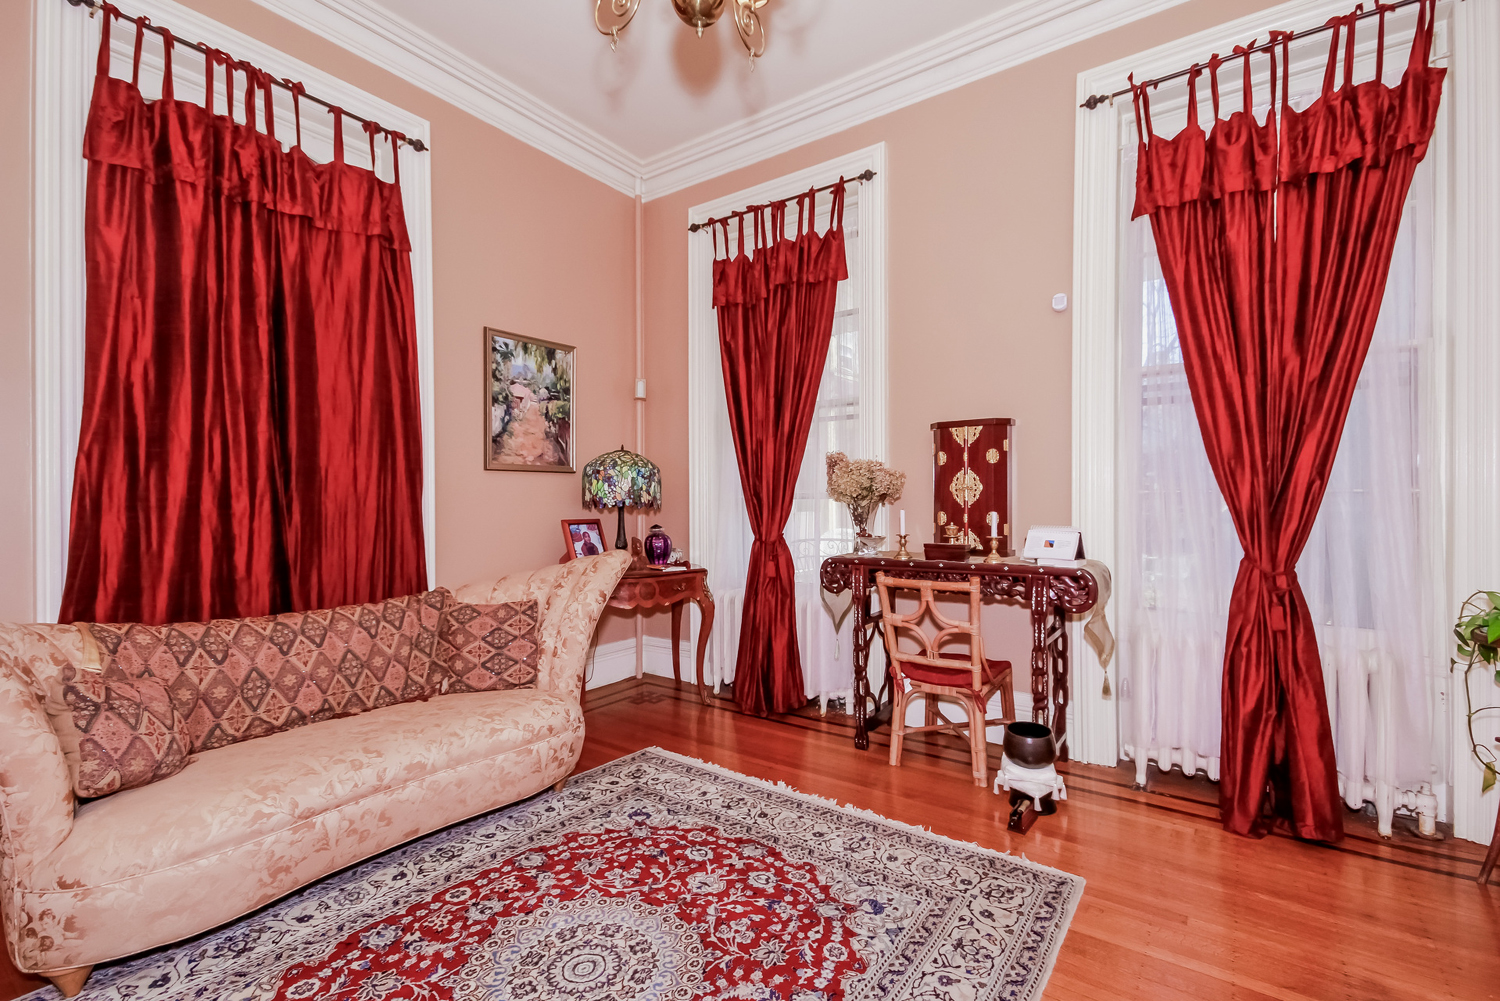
[972, 476]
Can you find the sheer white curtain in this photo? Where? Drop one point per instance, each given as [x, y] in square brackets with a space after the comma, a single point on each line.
[1369, 571]
[818, 527]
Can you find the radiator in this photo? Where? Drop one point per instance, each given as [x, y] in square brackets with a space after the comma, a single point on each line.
[827, 661]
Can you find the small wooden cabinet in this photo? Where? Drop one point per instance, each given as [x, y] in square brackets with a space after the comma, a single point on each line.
[972, 476]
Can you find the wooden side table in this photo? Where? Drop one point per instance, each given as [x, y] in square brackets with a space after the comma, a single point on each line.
[654, 588]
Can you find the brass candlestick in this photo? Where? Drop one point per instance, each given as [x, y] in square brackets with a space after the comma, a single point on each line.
[901, 553]
[994, 556]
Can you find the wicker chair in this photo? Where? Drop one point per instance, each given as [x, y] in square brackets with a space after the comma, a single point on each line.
[967, 678]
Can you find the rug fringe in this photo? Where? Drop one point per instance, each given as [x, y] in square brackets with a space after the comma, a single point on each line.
[782, 787]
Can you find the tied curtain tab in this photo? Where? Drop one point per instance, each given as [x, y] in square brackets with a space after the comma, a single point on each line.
[1275, 239]
[775, 313]
[250, 439]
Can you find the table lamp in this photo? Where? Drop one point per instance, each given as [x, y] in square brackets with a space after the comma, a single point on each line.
[621, 479]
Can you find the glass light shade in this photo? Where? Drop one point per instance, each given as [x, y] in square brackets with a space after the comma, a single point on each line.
[621, 479]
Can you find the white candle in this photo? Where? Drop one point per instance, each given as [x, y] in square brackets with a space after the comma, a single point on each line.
[994, 517]
[903, 521]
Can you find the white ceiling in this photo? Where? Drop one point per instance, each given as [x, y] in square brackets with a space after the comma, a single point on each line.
[664, 86]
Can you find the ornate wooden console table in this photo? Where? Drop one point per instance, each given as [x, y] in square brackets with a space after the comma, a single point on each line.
[653, 588]
[1050, 592]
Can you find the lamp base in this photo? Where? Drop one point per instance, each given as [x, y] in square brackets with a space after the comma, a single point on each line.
[620, 541]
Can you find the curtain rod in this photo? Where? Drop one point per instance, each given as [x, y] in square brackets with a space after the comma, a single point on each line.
[695, 227]
[1097, 99]
[95, 6]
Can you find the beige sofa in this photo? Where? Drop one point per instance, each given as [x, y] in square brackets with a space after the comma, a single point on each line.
[85, 882]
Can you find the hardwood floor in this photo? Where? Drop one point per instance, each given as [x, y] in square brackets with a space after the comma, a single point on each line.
[1174, 910]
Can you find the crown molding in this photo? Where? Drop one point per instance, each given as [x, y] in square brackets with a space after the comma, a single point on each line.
[1014, 35]
[1021, 32]
[371, 32]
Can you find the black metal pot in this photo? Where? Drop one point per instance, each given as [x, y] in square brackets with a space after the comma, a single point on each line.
[1030, 745]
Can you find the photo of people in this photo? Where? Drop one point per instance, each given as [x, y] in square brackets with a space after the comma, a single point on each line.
[585, 537]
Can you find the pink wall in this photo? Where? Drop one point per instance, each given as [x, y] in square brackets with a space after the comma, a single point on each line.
[521, 242]
[980, 194]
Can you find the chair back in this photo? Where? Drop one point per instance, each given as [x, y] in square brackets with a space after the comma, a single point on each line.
[895, 625]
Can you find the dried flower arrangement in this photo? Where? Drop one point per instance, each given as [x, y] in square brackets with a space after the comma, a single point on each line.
[862, 485]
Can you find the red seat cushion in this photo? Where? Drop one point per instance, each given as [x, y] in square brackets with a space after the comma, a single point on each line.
[962, 677]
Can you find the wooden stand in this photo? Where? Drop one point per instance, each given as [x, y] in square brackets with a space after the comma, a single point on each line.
[1051, 593]
[640, 589]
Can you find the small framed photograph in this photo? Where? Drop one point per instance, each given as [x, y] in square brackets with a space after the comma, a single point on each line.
[583, 537]
[529, 413]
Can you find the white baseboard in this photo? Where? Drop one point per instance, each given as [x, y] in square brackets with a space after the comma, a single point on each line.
[612, 662]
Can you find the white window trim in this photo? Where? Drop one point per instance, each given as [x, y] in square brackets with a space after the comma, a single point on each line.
[66, 45]
[1466, 327]
[703, 334]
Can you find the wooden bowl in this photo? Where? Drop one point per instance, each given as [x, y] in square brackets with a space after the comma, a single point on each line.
[945, 550]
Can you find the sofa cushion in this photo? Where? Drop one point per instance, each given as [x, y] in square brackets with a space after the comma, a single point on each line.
[485, 648]
[235, 679]
[116, 732]
[273, 802]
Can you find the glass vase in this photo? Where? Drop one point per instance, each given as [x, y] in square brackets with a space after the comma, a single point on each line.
[865, 544]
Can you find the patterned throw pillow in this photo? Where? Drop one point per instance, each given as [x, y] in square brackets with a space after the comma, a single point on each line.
[487, 648]
[116, 732]
[236, 679]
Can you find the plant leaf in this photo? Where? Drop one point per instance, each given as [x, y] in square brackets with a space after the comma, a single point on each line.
[1489, 778]
[1494, 630]
[1494, 597]
[1497, 677]
[1465, 652]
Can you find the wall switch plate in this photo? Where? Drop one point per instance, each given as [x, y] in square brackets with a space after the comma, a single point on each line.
[640, 389]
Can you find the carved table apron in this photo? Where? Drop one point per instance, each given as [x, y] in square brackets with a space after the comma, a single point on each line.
[1051, 593]
[654, 588]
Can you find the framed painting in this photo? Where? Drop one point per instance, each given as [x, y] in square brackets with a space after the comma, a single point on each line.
[528, 403]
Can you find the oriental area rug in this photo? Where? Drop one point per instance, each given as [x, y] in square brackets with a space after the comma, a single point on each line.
[651, 878]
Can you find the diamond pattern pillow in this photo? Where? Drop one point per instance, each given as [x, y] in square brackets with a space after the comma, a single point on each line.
[236, 679]
[487, 648]
[116, 732]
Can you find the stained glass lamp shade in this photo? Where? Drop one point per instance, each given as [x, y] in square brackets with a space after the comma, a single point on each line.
[621, 479]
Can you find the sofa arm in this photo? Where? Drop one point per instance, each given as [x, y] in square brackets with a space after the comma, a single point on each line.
[36, 794]
[570, 598]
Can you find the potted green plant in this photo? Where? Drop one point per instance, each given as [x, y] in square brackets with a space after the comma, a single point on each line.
[1478, 635]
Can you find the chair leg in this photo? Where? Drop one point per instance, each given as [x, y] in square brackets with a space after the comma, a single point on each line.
[930, 702]
[1492, 857]
[1007, 697]
[69, 982]
[978, 748]
[559, 784]
[898, 723]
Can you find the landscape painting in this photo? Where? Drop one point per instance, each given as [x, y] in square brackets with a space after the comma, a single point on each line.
[530, 403]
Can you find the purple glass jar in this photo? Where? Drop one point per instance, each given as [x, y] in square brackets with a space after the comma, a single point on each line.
[658, 546]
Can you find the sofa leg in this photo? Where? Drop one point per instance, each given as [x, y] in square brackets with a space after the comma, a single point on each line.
[69, 982]
[558, 785]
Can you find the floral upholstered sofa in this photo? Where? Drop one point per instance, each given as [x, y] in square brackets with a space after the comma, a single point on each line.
[229, 828]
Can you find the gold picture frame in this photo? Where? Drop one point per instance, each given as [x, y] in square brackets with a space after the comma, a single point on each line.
[528, 403]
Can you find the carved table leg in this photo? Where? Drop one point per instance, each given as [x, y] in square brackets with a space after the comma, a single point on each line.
[1040, 668]
[1061, 682]
[676, 640]
[705, 603]
[859, 587]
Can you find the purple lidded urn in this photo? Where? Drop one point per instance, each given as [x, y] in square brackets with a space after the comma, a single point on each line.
[658, 546]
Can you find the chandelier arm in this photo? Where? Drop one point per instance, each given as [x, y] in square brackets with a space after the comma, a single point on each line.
[747, 22]
[622, 11]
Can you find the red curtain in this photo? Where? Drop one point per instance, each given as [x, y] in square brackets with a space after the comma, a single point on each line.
[1275, 240]
[251, 437]
[775, 313]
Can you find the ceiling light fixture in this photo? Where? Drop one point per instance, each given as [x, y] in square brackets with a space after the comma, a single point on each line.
[611, 17]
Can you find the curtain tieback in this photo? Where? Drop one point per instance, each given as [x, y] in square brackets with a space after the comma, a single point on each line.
[1279, 584]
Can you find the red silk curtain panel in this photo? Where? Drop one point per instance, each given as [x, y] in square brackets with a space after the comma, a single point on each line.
[1275, 239]
[775, 313]
[251, 435]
